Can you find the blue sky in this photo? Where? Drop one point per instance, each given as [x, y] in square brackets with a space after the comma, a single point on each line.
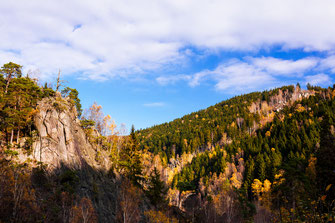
[148, 62]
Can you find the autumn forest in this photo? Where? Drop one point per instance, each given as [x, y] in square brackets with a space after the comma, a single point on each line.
[259, 157]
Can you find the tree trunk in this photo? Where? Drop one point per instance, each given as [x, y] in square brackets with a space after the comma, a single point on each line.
[18, 136]
[7, 84]
[12, 136]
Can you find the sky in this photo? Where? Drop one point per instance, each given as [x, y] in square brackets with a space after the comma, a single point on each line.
[148, 62]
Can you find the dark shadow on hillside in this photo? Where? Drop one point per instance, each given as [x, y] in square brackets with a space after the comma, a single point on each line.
[61, 191]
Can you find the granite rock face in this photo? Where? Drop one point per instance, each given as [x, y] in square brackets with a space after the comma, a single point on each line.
[61, 139]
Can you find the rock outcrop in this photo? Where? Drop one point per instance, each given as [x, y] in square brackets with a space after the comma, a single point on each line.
[278, 101]
[61, 139]
[61, 144]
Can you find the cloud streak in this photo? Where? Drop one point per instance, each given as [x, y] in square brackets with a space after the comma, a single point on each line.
[154, 104]
[318, 79]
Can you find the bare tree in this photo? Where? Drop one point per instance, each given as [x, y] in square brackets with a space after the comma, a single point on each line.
[128, 202]
[59, 82]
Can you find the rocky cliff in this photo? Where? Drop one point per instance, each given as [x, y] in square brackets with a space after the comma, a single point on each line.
[61, 145]
[61, 139]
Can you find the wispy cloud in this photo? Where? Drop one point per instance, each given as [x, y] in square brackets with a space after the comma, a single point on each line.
[328, 63]
[154, 104]
[318, 79]
[165, 80]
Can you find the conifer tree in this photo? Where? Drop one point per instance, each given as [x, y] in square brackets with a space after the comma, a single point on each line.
[11, 70]
[261, 167]
[130, 159]
[156, 189]
[73, 95]
[326, 159]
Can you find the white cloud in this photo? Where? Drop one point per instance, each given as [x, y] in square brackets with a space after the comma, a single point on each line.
[277, 66]
[154, 104]
[235, 76]
[318, 79]
[241, 77]
[104, 39]
[328, 63]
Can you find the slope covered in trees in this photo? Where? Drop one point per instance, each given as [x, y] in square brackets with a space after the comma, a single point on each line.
[263, 157]
[218, 123]
[285, 153]
[270, 159]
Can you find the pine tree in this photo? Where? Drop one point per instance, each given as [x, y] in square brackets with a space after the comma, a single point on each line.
[157, 190]
[326, 159]
[130, 160]
[261, 167]
[11, 70]
[73, 95]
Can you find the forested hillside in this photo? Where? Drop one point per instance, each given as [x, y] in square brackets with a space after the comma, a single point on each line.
[216, 124]
[273, 153]
[260, 157]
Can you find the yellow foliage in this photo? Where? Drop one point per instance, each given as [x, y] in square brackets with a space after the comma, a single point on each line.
[328, 187]
[277, 176]
[256, 187]
[158, 217]
[271, 115]
[266, 186]
[268, 134]
[235, 182]
[185, 142]
[300, 108]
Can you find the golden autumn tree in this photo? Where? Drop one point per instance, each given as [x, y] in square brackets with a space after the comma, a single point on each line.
[95, 114]
[256, 187]
[266, 194]
[108, 126]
